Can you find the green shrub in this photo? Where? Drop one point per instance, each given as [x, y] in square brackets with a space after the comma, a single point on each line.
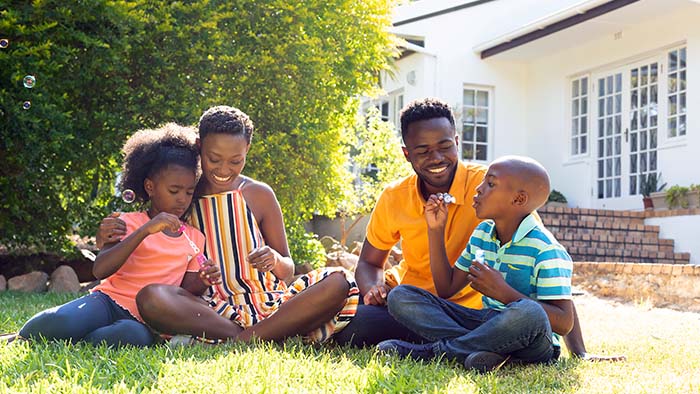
[556, 196]
[105, 69]
[677, 196]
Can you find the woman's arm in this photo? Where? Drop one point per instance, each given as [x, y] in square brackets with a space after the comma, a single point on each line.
[262, 201]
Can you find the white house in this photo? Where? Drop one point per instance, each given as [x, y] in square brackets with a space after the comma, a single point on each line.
[602, 92]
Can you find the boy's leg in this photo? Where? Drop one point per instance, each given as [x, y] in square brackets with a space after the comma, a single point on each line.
[306, 311]
[373, 324]
[174, 310]
[430, 316]
[522, 330]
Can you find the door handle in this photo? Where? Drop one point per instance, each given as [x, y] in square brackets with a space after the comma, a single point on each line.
[627, 134]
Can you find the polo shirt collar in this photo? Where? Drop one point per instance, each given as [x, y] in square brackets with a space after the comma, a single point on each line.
[527, 225]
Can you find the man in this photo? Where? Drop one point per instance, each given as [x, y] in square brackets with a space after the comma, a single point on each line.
[430, 145]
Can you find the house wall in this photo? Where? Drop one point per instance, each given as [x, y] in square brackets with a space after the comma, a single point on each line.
[548, 102]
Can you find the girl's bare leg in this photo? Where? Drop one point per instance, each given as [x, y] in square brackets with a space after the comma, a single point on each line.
[174, 310]
[305, 312]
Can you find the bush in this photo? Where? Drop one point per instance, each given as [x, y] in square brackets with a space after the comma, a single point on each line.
[556, 196]
[107, 68]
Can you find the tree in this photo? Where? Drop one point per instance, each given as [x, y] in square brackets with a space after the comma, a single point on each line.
[374, 151]
[107, 68]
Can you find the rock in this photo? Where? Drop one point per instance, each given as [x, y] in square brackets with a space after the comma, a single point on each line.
[356, 248]
[33, 282]
[3, 283]
[342, 259]
[64, 280]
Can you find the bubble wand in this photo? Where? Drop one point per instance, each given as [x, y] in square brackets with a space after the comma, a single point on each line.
[200, 257]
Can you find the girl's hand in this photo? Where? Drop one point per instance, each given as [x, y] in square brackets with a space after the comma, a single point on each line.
[209, 273]
[435, 213]
[163, 221]
[112, 229]
[264, 259]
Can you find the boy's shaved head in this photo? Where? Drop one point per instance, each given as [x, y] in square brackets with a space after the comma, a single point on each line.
[528, 175]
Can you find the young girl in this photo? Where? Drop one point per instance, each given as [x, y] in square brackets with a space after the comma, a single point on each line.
[161, 167]
[243, 224]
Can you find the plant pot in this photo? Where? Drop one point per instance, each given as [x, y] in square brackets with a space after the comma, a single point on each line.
[659, 200]
[648, 203]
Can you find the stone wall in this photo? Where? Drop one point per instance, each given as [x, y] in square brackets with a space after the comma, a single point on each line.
[663, 285]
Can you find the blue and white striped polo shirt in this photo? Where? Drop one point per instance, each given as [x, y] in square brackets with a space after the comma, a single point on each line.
[533, 262]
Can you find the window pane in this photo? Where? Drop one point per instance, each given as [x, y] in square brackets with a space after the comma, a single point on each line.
[469, 115]
[481, 134]
[600, 169]
[643, 162]
[608, 188]
[574, 88]
[618, 82]
[601, 151]
[584, 125]
[468, 133]
[608, 126]
[574, 146]
[609, 84]
[633, 164]
[618, 187]
[600, 189]
[633, 185]
[482, 98]
[618, 164]
[482, 116]
[652, 160]
[672, 132]
[618, 145]
[633, 123]
[653, 138]
[618, 124]
[480, 152]
[633, 77]
[681, 125]
[672, 105]
[672, 82]
[574, 127]
[682, 81]
[468, 151]
[633, 142]
[644, 73]
[643, 140]
[681, 103]
[653, 73]
[608, 148]
[608, 167]
[682, 58]
[601, 87]
[468, 97]
[584, 86]
[672, 61]
[584, 106]
[601, 127]
[634, 103]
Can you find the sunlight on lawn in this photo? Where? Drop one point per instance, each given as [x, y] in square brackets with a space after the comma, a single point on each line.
[661, 357]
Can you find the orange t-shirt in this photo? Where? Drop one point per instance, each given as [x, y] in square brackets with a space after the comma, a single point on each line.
[158, 259]
[398, 216]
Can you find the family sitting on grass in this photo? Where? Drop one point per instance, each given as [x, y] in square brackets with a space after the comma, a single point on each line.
[156, 285]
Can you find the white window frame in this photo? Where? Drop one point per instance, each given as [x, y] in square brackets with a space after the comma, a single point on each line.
[471, 124]
[579, 115]
[676, 115]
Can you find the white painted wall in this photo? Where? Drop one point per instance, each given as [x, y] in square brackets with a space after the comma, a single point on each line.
[683, 230]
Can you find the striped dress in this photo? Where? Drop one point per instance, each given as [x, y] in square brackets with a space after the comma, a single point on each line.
[246, 295]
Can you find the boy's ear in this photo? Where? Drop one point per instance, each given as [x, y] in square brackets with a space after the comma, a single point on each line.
[521, 198]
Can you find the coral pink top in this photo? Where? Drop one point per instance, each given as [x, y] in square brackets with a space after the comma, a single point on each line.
[158, 259]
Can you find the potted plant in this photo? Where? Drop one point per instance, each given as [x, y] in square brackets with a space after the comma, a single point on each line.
[650, 184]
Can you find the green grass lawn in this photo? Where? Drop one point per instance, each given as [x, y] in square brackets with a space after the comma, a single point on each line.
[662, 347]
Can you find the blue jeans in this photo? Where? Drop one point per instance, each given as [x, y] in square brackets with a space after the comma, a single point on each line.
[371, 325]
[94, 318]
[521, 330]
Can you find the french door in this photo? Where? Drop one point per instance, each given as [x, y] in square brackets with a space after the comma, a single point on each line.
[625, 128]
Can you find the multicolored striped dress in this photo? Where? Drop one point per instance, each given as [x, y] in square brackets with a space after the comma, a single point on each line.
[246, 295]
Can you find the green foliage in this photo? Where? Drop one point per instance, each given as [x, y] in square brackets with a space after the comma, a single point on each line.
[105, 69]
[677, 196]
[556, 196]
[651, 183]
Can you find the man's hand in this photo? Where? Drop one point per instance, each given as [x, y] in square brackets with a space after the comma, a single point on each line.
[377, 295]
[595, 358]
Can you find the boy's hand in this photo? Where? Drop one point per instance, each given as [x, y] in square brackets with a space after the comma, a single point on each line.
[488, 281]
[435, 213]
[377, 295]
[163, 221]
[111, 229]
[209, 273]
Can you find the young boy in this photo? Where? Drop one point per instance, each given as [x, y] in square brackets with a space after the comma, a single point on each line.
[525, 277]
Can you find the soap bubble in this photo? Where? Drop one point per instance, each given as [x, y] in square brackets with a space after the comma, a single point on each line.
[128, 196]
[27, 105]
[29, 81]
[4, 43]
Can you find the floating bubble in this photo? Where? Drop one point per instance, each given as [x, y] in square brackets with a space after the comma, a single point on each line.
[26, 105]
[4, 43]
[447, 198]
[128, 196]
[29, 81]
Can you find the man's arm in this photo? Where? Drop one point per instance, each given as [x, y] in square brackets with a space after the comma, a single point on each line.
[369, 274]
